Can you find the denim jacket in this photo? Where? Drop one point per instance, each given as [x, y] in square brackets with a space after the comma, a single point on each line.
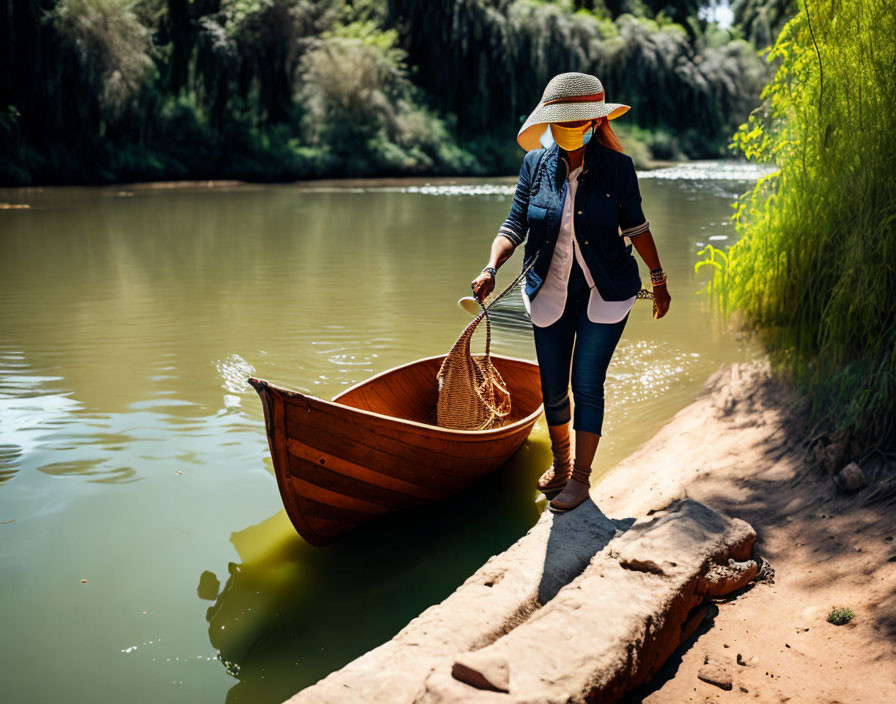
[607, 207]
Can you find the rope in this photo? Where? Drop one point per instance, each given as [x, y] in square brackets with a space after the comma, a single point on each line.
[513, 284]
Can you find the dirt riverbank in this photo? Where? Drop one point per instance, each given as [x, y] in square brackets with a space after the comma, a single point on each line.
[737, 448]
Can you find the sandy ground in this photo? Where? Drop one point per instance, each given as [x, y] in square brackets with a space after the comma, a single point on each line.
[738, 449]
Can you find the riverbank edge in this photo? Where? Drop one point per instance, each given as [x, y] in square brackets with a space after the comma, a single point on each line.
[738, 448]
[314, 183]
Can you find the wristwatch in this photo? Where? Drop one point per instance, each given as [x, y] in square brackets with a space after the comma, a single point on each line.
[491, 270]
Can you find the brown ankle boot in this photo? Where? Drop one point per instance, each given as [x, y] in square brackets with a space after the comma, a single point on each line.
[576, 491]
[554, 479]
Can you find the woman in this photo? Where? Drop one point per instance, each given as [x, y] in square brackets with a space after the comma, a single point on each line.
[578, 200]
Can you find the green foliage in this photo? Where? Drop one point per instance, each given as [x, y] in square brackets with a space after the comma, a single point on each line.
[696, 90]
[359, 103]
[762, 20]
[840, 615]
[813, 270]
[110, 89]
[645, 146]
[113, 47]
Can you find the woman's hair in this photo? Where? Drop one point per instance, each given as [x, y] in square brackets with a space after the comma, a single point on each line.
[606, 136]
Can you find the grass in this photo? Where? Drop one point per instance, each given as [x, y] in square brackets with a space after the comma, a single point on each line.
[814, 269]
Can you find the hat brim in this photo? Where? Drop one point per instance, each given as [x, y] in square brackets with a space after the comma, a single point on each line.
[529, 136]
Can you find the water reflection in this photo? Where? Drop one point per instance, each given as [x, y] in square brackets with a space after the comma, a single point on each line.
[9, 456]
[289, 613]
[90, 468]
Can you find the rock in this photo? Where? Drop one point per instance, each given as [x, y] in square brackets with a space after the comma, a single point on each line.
[746, 662]
[716, 676]
[724, 579]
[591, 644]
[482, 671]
[833, 456]
[851, 477]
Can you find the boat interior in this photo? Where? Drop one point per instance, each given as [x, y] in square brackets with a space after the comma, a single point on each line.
[411, 391]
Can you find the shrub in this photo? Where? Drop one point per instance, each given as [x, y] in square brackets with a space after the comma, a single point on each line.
[358, 102]
[840, 615]
[113, 47]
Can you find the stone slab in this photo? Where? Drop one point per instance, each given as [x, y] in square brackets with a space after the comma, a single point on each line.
[498, 597]
[614, 625]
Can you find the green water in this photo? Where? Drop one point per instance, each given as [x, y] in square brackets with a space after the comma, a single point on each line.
[133, 455]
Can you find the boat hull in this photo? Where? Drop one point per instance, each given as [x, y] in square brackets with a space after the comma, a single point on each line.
[367, 452]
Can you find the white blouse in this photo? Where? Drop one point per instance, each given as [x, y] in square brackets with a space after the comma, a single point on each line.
[551, 299]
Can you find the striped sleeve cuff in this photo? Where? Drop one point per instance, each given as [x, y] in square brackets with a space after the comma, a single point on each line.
[636, 230]
[514, 237]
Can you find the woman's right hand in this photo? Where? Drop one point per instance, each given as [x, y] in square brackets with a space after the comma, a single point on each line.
[483, 285]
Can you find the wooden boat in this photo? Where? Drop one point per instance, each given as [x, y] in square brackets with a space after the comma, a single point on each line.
[370, 451]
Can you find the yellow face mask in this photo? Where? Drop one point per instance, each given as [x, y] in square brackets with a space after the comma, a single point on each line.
[571, 138]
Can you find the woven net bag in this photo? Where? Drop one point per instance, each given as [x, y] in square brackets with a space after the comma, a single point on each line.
[472, 393]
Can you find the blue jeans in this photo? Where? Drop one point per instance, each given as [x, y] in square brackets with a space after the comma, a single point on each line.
[594, 346]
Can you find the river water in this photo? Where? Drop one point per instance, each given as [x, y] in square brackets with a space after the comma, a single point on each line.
[133, 454]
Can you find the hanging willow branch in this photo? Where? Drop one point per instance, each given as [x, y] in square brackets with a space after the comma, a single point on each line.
[820, 66]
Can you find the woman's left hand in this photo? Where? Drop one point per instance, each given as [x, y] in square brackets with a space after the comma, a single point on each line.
[661, 300]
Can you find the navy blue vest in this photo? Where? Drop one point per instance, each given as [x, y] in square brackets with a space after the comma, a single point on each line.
[607, 198]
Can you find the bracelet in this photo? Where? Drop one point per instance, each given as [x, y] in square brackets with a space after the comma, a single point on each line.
[491, 270]
[657, 275]
[658, 280]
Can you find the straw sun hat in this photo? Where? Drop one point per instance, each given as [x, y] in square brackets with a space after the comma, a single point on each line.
[567, 97]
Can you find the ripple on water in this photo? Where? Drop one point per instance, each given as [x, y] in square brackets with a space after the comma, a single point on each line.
[463, 189]
[234, 372]
[648, 369]
[714, 170]
[91, 468]
[703, 170]
[9, 460]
